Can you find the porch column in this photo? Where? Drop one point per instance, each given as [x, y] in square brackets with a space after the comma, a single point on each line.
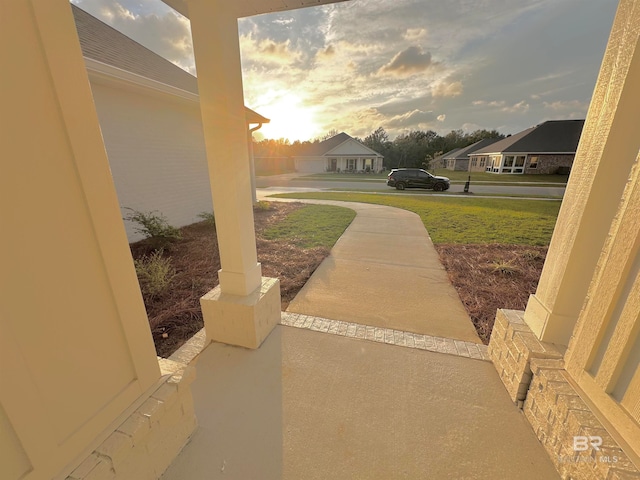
[607, 151]
[76, 354]
[245, 307]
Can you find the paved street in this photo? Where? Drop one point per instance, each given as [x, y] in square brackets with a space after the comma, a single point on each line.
[379, 185]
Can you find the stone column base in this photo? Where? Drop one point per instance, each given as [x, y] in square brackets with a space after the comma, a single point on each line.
[533, 374]
[511, 349]
[148, 440]
[245, 321]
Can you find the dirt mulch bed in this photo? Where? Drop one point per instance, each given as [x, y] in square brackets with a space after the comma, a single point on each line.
[175, 316]
[488, 277]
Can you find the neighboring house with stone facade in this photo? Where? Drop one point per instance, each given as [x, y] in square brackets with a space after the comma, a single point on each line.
[544, 149]
[149, 112]
[340, 153]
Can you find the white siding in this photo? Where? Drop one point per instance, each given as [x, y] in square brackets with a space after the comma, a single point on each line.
[351, 147]
[311, 165]
[156, 152]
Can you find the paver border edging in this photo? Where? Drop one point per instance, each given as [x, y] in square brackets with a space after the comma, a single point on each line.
[388, 336]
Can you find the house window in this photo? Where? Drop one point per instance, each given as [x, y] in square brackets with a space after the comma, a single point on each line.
[351, 163]
[483, 161]
[519, 164]
[513, 164]
[533, 162]
[495, 164]
[474, 162]
[368, 164]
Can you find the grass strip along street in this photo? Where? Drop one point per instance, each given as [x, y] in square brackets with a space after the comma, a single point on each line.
[312, 226]
[465, 220]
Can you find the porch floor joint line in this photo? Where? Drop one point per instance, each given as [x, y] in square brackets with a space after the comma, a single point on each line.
[389, 336]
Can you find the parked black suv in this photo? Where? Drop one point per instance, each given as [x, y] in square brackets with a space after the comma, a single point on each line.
[402, 178]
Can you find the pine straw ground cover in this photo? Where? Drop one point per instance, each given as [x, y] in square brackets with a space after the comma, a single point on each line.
[175, 315]
[488, 277]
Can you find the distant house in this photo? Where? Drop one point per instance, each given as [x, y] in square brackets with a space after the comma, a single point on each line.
[459, 159]
[340, 153]
[547, 148]
[149, 113]
[439, 160]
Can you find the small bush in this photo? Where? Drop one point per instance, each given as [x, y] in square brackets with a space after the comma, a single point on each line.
[532, 255]
[154, 226]
[505, 268]
[155, 273]
[208, 218]
[262, 206]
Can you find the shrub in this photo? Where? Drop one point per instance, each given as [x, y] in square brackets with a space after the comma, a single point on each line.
[155, 273]
[262, 206]
[505, 267]
[532, 255]
[154, 226]
[208, 218]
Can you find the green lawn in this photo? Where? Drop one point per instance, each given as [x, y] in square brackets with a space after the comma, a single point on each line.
[467, 220]
[312, 226]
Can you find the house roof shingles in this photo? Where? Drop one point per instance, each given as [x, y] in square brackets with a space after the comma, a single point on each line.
[105, 44]
[324, 147]
[320, 148]
[462, 153]
[553, 136]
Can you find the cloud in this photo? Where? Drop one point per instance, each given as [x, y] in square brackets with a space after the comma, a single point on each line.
[415, 119]
[326, 54]
[408, 62]
[520, 107]
[471, 127]
[444, 89]
[414, 34]
[413, 58]
[268, 51]
[565, 105]
[493, 103]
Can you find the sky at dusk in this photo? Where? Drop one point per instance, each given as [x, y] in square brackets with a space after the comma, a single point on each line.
[399, 64]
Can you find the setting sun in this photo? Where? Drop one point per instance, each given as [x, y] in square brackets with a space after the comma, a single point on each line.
[289, 118]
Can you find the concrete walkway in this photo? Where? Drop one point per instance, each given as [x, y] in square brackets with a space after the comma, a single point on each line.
[385, 272]
[379, 395]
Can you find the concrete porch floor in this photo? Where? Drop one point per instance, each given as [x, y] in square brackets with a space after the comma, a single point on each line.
[313, 405]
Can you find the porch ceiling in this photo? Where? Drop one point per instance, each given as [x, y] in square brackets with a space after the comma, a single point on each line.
[247, 8]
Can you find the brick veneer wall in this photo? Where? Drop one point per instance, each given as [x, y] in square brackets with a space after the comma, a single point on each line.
[146, 443]
[511, 348]
[534, 376]
[549, 164]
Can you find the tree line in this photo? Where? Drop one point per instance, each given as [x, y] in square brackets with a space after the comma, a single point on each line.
[416, 148]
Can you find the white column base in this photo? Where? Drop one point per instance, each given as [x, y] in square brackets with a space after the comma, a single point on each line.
[546, 325]
[245, 321]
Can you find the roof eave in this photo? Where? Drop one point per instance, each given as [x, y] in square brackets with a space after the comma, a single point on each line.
[247, 8]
